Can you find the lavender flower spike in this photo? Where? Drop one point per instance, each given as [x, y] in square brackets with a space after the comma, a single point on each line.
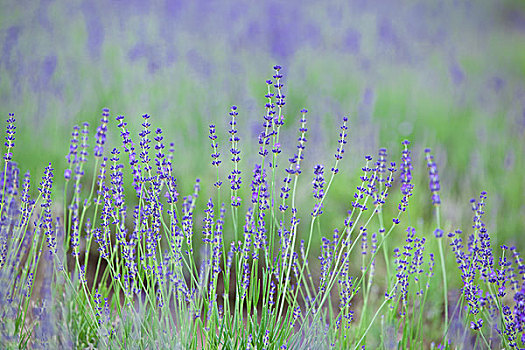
[215, 154]
[235, 176]
[10, 137]
[433, 177]
[101, 133]
[406, 178]
[406, 169]
[318, 189]
[342, 141]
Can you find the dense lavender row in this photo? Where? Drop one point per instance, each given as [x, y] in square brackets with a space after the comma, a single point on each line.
[120, 269]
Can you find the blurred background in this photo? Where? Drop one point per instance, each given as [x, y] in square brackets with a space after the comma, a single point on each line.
[449, 75]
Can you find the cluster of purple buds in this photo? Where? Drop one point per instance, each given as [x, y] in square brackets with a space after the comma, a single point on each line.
[509, 330]
[519, 312]
[406, 177]
[25, 198]
[342, 141]
[144, 145]
[406, 169]
[296, 315]
[215, 155]
[408, 265]
[10, 136]
[217, 242]
[380, 177]
[84, 143]
[470, 290]
[235, 176]
[73, 149]
[327, 257]
[381, 164]
[347, 292]
[249, 231]
[259, 187]
[278, 120]
[433, 177]
[266, 134]
[318, 189]
[9, 179]
[208, 223]
[484, 256]
[160, 157]
[101, 133]
[505, 273]
[364, 242]
[46, 222]
[518, 261]
[117, 179]
[476, 326]
[295, 161]
[438, 233]
[278, 85]
[102, 312]
[366, 189]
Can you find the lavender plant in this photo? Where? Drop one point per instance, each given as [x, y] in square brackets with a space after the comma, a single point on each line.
[245, 278]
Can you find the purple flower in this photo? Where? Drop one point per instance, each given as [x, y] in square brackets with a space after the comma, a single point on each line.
[484, 258]
[318, 189]
[279, 96]
[342, 141]
[160, 158]
[379, 184]
[328, 254]
[268, 128]
[101, 133]
[406, 170]
[235, 176]
[433, 177]
[144, 146]
[406, 177]
[72, 158]
[10, 136]
[259, 187]
[296, 314]
[25, 198]
[519, 310]
[117, 180]
[84, 143]
[364, 242]
[476, 326]
[408, 267]
[46, 221]
[366, 189]
[188, 206]
[266, 339]
[215, 155]
[208, 223]
[9, 181]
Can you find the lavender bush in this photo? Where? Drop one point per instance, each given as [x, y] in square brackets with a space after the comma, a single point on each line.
[144, 269]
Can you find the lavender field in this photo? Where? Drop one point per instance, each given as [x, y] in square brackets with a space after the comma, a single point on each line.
[266, 175]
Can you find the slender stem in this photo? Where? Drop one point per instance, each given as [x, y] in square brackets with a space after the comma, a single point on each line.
[372, 321]
[443, 269]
